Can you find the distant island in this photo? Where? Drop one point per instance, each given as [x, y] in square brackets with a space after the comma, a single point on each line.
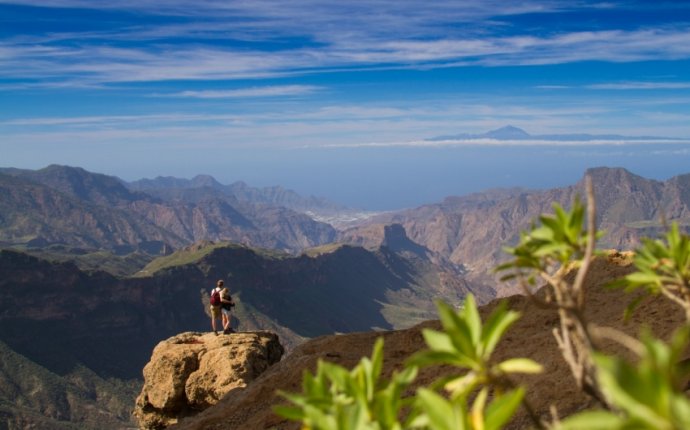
[510, 132]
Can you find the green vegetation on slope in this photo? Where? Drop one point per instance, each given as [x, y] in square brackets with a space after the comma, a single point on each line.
[323, 249]
[194, 253]
[117, 265]
[32, 395]
[182, 257]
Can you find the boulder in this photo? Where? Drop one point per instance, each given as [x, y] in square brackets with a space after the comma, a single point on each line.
[193, 371]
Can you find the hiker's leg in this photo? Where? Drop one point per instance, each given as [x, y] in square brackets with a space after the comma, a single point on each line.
[214, 315]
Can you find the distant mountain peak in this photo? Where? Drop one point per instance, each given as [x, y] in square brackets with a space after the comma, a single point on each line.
[205, 181]
[508, 132]
[607, 177]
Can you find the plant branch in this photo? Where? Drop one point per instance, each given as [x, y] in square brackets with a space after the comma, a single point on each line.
[589, 249]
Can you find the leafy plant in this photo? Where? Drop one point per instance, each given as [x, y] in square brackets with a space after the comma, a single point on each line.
[335, 398]
[549, 252]
[467, 344]
[646, 395]
[663, 267]
[438, 413]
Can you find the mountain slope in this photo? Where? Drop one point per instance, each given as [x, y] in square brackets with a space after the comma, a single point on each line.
[37, 215]
[33, 397]
[86, 186]
[98, 211]
[472, 230]
[275, 196]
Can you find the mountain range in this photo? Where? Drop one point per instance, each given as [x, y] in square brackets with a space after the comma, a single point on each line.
[471, 230]
[95, 270]
[68, 206]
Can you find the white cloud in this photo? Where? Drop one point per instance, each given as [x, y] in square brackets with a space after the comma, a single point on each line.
[640, 86]
[293, 124]
[96, 64]
[552, 87]
[377, 34]
[267, 91]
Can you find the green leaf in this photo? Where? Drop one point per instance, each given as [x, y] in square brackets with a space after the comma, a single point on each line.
[474, 322]
[502, 409]
[462, 385]
[477, 412]
[457, 329]
[616, 379]
[440, 413]
[377, 358]
[520, 365]
[438, 341]
[289, 412]
[592, 420]
[642, 278]
[496, 325]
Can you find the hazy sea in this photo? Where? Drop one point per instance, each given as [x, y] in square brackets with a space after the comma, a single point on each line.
[386, 178]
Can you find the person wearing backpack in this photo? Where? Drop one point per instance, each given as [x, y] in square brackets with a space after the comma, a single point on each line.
[215, 302]
[226, 305]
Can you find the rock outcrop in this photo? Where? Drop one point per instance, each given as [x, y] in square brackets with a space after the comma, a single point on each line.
[192, 371]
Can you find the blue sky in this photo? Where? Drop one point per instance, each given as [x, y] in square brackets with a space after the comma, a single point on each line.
[324, 97]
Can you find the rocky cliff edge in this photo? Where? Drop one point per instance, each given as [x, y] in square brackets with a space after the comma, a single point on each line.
[192, 371]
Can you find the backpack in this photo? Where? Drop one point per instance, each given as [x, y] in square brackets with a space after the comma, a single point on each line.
[215, 298]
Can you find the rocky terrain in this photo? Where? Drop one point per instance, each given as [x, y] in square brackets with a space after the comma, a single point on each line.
[529, 337]
[192, 371]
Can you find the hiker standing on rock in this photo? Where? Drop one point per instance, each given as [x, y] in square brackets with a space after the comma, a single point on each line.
[215, 305]
[226, 305]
